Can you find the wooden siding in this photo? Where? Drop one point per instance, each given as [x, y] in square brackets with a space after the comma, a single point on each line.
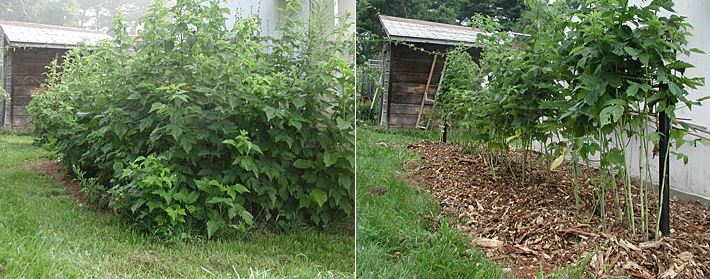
[407, 73]
[28, 73]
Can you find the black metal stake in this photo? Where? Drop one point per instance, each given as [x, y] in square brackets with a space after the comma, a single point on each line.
[663, 173]
[446, 129]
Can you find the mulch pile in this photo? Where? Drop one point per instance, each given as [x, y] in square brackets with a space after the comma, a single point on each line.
[536, 225]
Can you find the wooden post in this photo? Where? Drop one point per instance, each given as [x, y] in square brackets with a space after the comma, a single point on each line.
[384, 104]
[424, 97]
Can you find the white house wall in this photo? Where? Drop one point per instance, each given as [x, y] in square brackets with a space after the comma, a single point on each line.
[269, 11]
[693, 178]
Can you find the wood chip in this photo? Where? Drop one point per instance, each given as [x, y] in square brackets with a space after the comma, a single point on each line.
[487, 242]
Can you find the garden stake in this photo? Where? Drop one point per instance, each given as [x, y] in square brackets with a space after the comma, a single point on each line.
[663, 174]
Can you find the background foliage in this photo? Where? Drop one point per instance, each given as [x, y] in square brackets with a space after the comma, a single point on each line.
[192, 126]
[369, 30]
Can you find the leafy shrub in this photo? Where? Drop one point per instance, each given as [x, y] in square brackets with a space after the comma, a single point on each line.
[583, 82]
[194, 126]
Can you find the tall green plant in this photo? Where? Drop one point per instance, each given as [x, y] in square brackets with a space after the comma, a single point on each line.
[588, 81]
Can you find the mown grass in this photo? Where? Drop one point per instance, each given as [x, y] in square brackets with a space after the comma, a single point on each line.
[394, 237]
[44, 233]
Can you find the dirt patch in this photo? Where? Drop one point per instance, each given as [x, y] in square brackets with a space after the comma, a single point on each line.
[53, 170]
[535, 224]
[380, 191]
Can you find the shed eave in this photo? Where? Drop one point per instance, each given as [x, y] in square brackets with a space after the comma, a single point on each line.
[431, 41]
[41, 45]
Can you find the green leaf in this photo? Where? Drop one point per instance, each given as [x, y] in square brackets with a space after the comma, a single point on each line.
[240, 188]
[134, 96]
[213, 226]
[329, 159]
[610, 114]
[137, 205]
[680, 65]
[673, 87]
[299, 102]
[176, 132]
[318, 196]
[631, 51]
[632, 90]
[120, 130]
[284, 138]
[303, 164]
[343, 124]
[644, 58]
[247, 217]
[157, 107]
[697, 50]
[220, 200]
[145, 123]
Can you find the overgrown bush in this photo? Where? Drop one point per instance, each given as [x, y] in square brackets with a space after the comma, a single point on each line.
[193, 126]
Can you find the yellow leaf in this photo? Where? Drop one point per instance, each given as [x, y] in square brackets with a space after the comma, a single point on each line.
[511, 138]
[557, 162]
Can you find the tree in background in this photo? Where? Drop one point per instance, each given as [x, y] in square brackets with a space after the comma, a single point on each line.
[90, 14]
[57, 12]
[98, 14]
[506, 12]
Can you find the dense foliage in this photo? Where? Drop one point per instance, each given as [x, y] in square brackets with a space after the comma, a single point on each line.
[195, 126]
[370, 35]
[582, 82]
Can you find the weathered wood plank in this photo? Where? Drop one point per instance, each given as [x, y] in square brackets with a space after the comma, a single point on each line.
[21, 100]
[20, 121]
[403, 120]
[414, 88]
[25, 91]
[412, 77]
[19, 110]
[411, 67]
[407, 98]
[28, 80]
[407, 109]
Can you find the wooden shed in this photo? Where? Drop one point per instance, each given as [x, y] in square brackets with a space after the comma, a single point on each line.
[26, 50]
[410, 62]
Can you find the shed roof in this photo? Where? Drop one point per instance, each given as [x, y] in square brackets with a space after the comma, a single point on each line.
[25, 34]
[420, 31]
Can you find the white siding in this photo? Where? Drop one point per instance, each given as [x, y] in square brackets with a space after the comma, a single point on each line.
[693, 178]
[269, 11]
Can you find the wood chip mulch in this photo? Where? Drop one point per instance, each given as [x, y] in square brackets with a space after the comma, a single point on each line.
[535, 225]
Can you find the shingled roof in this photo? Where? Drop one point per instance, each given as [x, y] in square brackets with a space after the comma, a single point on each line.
[24, 34]
[419, 31]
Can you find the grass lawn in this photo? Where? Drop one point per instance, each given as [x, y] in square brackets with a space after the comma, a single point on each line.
[44, 233]
[394, 239]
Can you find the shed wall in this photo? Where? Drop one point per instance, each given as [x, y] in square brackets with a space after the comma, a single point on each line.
[28, 74]
[408, 74]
